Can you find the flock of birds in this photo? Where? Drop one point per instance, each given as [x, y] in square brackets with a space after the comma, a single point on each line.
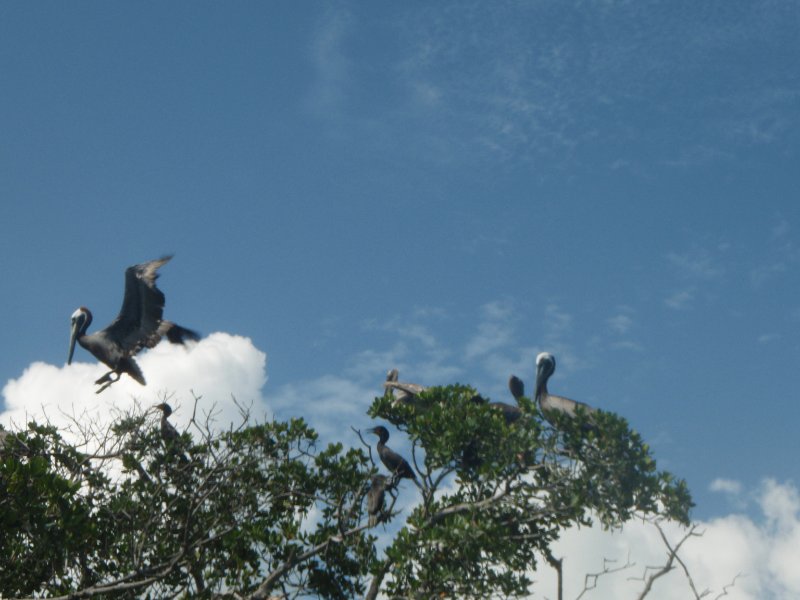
[140, 325]
[553, 408]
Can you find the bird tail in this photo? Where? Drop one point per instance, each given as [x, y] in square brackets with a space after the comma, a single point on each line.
[129, 366]
[177, 334]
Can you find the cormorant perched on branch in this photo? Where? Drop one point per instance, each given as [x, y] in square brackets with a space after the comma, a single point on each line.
[397, 465]
[168, 432]
[548, 403]
[375, 497]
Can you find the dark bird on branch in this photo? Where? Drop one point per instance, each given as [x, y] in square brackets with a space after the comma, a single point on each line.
[397, 465]
[548, 403]
[139, 325]
[168, 432]
[375, 496]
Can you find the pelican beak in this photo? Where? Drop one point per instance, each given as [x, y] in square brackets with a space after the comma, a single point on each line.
[540, 378]
[73, 337]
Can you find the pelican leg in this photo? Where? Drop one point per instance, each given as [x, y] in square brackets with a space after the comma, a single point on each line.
[106, 377]
[107, 381]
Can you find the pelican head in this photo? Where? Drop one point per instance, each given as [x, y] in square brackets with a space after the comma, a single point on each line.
[545, 367]
[81, 319]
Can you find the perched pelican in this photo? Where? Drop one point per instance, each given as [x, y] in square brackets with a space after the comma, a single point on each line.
[138, 325]
[375, 495]
[548, 403]
[402, 392]
[397, 465]
[511, 412]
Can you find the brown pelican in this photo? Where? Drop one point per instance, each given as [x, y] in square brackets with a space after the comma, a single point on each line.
[138, 325]
[397, 465]
[511, 412]
[375, 497]
[548, 403]
[402, 392]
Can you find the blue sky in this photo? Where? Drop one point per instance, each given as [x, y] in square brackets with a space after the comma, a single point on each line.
[448, 188]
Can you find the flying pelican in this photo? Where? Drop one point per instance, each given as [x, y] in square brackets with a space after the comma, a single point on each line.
[548, 403]
[375, 497]
[138, 325]
[397, 465]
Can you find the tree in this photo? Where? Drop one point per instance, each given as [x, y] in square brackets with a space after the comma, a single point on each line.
[259, 511]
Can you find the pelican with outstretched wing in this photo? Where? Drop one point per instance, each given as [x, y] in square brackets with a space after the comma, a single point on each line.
[138, 325]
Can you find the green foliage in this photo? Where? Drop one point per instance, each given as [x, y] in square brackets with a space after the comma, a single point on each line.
[514, 488]
[261, 510]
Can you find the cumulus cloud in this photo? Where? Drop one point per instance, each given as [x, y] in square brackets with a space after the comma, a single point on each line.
[760, 552]
[218, 368]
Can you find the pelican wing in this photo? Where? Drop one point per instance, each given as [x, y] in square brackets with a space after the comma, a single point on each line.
[137, 325]
[510, 413]
[564, 405]
[409, 388]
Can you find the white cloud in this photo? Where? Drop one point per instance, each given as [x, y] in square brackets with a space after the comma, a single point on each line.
[727, 486]
[218, 368]
[330, 404]
[760, 553]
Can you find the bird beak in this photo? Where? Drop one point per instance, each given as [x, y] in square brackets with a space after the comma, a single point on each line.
[540, 378]
[73, 337]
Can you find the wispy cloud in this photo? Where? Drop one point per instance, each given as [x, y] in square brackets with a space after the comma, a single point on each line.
[495, 330]
[620, 324]
[680, 300]
[697, 264]
[331, 64]
[762, 274]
